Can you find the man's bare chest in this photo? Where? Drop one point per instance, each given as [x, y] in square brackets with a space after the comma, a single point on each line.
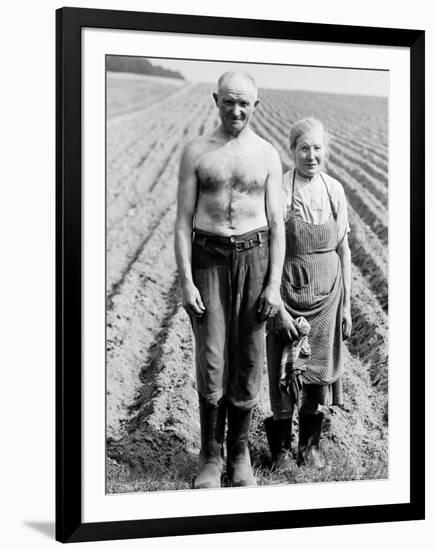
[242, 171]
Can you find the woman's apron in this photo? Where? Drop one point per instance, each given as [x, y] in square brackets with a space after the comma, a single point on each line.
[312, 287]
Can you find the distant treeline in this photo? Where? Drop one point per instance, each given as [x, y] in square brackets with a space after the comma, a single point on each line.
[138, 65]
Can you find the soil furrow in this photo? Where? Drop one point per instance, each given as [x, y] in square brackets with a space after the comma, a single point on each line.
[369, 337]
[134, 320]
[285, 116]
[164, 432]
[368, 207]
[369, 256]
[123, 137]
[377, 187]
[135, 114]
[373, 165]
[115, 288]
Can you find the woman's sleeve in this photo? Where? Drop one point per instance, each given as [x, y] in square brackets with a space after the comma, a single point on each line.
[286, 194]
[343, 224]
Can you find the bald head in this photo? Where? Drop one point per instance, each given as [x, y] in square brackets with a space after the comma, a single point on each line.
[232, 80]
[236, 99]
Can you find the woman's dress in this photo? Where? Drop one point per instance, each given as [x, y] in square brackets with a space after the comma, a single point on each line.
[312, 287]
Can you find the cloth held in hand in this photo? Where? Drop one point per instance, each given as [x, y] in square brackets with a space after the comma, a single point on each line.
[293, 363]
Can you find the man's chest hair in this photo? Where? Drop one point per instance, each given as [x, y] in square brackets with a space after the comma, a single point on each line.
[222, 169]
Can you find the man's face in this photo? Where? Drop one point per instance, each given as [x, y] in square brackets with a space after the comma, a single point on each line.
[236, 102]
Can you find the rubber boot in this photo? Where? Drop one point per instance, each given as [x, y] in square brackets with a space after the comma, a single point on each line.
[239, 469]
[278, 434]
[211, 460]
[308, 442]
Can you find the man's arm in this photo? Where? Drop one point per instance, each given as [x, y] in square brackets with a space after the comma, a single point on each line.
[270, 299]
[186, 201]
[345, 256]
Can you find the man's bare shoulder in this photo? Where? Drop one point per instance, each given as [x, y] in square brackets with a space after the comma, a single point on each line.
[267, 148]
[199, 146]
[194, 148]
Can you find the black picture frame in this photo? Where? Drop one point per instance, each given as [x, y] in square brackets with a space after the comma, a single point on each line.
[69, 524]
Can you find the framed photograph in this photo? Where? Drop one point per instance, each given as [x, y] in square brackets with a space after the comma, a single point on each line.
[240, 259]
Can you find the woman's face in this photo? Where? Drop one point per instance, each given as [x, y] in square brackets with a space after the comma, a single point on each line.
[310, 153]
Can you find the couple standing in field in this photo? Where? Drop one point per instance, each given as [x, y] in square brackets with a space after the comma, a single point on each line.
[255, 249]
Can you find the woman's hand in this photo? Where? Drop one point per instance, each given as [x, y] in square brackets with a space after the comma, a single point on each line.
[346, 323]
[284, 325]
[345, 256]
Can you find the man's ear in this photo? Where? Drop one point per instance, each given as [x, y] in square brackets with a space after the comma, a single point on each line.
[215, 96]
[256, 103]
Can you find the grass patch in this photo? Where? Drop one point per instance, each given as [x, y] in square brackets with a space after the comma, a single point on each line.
[157, 477]
[179, 474]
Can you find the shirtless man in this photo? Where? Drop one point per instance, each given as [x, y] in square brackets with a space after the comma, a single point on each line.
[229, 245]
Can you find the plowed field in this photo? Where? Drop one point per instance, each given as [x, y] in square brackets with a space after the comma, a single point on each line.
[152, 420]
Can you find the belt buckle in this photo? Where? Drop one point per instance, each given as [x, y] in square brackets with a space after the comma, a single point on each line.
[240, 245]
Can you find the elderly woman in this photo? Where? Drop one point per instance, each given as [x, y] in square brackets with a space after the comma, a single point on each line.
[315, 288]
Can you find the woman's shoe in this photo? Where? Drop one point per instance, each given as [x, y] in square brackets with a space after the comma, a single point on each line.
[310, 426]
[278, 434]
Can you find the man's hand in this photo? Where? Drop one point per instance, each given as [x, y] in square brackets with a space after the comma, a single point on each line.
[346, 323]
[191, 300]
[269, 302]
[285, 327]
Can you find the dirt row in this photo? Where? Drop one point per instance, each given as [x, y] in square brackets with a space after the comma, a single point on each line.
[125, 98]
[369, 255]
[349, 116]
[119, 142]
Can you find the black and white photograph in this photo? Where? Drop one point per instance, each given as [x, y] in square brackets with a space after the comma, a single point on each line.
[218, 275]
[247, 292]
